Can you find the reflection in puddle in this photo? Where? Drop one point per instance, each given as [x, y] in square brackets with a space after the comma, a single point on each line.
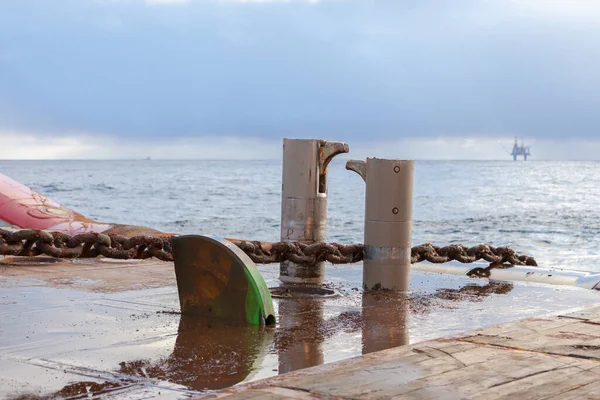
[301, 333]
[212, 358]
[206, 358]
[384, 320]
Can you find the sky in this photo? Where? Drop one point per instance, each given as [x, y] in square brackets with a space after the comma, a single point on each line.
[423, 79]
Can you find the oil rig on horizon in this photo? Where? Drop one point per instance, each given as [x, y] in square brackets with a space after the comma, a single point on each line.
[520, 151]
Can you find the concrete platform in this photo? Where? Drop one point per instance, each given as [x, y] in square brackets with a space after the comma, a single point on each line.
[536, 358]
[112, 328]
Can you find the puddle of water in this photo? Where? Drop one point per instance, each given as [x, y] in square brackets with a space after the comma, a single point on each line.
[73, 341]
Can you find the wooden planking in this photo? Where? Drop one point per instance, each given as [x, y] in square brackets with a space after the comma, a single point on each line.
[493, 373]
[268, 395]
[589, 313]
[589, 391]
[540, 385]
[538, 358]
[574, 338]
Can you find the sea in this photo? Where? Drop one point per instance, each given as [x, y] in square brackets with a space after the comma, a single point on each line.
[548, 210]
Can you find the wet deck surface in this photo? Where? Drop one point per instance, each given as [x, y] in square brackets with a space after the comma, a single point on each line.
[94, 326]
[537, 358]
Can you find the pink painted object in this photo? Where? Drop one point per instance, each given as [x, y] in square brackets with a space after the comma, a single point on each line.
[25, 208]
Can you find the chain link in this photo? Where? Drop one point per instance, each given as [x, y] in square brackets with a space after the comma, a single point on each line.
[301, 253]
[464, 254]
[29, 242]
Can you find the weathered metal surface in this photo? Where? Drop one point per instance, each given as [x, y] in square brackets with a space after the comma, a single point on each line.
[219, 283]
[388, 222]
[86, 326]
[304, 201]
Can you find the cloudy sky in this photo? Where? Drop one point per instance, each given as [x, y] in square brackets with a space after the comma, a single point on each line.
[231, 78]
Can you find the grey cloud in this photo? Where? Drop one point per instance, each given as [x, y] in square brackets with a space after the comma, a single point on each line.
[340, 68]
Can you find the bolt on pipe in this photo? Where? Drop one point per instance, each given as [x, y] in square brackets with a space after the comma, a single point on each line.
[388, 222]
[304, 201]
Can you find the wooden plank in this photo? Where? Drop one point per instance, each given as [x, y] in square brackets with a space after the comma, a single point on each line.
[559, 359]
[577, 338]
[474, 379]
[262, 394]
[274, 393]
[589, 391]
[329, 372]
[539, 385]
[341, 384]
[589, 313]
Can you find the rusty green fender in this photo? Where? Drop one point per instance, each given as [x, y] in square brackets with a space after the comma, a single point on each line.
[218, 282]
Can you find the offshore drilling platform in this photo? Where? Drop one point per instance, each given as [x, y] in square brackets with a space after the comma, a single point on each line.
[520, 150]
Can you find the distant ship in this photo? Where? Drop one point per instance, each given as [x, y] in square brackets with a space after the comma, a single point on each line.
[520, 151]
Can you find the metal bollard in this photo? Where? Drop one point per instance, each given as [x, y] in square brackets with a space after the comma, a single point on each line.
[304, 201]
[388, 222]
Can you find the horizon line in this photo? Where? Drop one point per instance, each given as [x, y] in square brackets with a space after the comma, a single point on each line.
[279, 159]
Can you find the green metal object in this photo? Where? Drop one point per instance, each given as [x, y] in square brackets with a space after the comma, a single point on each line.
[219, 283]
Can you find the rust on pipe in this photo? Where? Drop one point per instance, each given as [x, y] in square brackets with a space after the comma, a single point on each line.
[304, 201]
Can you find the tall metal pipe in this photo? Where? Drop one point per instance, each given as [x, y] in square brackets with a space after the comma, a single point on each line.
[388, 222]
[304, 201]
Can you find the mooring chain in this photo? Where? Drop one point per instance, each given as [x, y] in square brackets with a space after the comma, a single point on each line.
[300, 253]
[464, 254]
[29, 242]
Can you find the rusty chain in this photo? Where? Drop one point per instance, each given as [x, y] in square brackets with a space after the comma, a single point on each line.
[29, 242]
[464, 254]
[335, 253]
[301, 253]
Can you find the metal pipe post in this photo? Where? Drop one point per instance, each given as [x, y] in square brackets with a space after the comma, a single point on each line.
[388, 222]
[304, 201]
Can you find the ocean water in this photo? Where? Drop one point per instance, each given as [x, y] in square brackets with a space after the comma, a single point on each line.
[550, 210]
